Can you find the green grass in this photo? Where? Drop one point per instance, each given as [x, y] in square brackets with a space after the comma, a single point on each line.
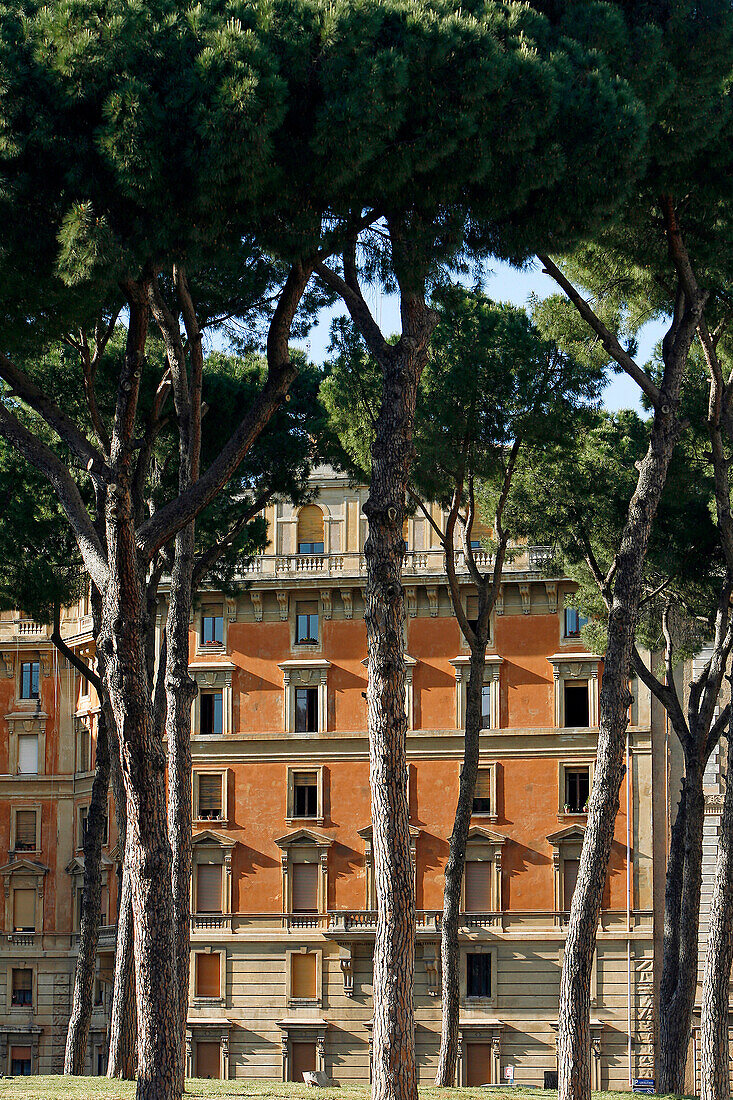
[99, 1088]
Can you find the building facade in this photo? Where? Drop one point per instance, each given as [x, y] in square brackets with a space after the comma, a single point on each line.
[283, 902]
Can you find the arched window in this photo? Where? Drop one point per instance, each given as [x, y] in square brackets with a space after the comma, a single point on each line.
[310, 530]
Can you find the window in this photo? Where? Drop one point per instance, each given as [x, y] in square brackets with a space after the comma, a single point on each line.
[482, 792]
[570, 869]
[29, 679]
[25, 831]
[472, 606]
[24, 910]
[306, 622]
[306, 710]
[212, 628]
[20, 1061]
[83, 747]
[210, 801]
[574, 622]
[22, 993]
[477, 886]
[212, 713]
[305, 794]
[303, 975]
[478, 975]
[305, 888]
[577, 790]
[486, 706]
[208, 888]
[576, 703]
[208, 1060]
[28, 754]
[208, 975]
[310, 530]
[83, 822]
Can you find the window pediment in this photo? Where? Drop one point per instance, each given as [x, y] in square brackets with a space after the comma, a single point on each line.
[479, 835]
[208, 838]
[305, 837]
[75, 866]
[24, 867]
[571, 833]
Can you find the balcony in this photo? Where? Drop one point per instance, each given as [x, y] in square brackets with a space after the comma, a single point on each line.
[23, 630]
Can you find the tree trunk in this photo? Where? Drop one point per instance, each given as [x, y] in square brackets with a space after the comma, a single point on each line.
[574, 1008]
[681, 945]
[714, 1036]
[394, 1072]
[180, 692]
[122, 1056]
[82, 1001]
[454, 870]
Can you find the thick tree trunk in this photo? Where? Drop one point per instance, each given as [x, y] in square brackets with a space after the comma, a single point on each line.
[454, 870]
[122, 1056]
[83, 996]
[714, 1037]
[574, 1008]
[681, 927]
[180, 692]
[394, 1072]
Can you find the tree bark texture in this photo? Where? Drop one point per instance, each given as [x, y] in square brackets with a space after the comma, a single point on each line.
[678, 984]
[574, 1009]
[714, 1036]
[449, 949]
[83, 996]
[394, 1071]
[122, 1055]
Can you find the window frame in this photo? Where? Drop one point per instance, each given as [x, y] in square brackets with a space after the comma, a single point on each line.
[198, 998]
[296, 769]
[565, 767]
[36, 809]
[305, 673]
[478, 949]
[291, 999]
[223, 774]
[492, 813]
[34, 663]
[23, 1005]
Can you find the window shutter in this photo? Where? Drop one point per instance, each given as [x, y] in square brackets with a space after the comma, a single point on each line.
[208, 1060]
[21, 1054]
[24, 910]
[208, 888]
[483, 784]
[310, 524]
[28, 754]
[305, 888]
[303, 975]
[209, 797]
[479, 530]
[569, 880]
[25, 830]
[208, 972]
[472, 608]
[478, 886]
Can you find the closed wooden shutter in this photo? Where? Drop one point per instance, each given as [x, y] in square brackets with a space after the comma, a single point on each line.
[28, 754]
[209, 797]
[569, 881]
[482, 793]
[478, 886]
[472, 608]
[208, 889]
[302, 1060]
[479, 531]
[25, 830]
[478, 1064]
[208, 976]
[303, 976]
[305, 887]
[310, 524]
[24, 910]
[208, 1060]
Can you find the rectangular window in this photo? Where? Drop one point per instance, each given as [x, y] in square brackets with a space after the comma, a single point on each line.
[576, 703]
[305, 794]
[24, 910]
[212, 713]
[210, 797]
[208, 1060]
[472, 610]
[28, 754]
[478, 886]
[212, 629]
[25, 831]
[20, 1061]
[83, 815]
[22, 987]
[486, 706]
[478, 975]
[208, 976]
[570, 869]
[303, 976]
[29, 679]
[310, 547]
[305, 888]
[83, 748]
[306, 622]
[574, 622]
[306, 710]
[208, 888]
[482, 792]
[577, 790]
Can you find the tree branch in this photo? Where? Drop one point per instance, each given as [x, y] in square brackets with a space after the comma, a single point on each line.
[69, 654]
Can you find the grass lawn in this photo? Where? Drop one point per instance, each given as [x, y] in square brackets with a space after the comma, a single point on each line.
[99, 1088]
